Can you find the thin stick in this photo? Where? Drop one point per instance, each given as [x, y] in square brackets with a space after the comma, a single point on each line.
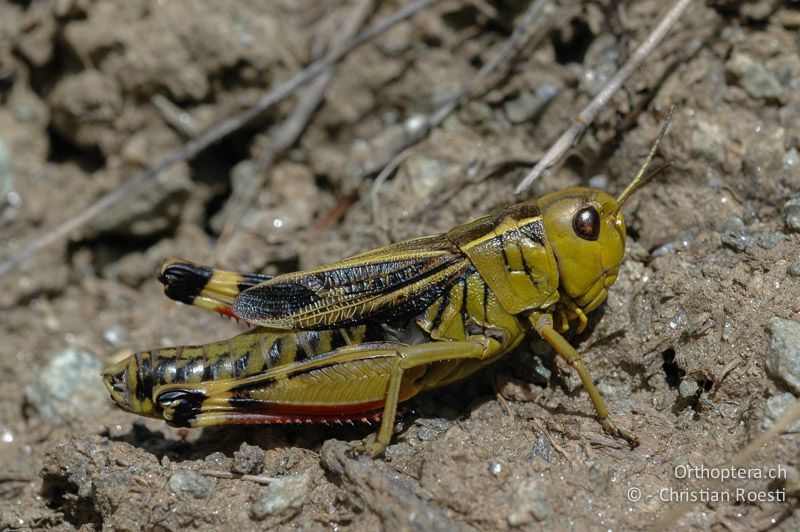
[217, 132]
[587, 116]
[512, 47]
[293, 126]
[782, 424]
[228, 475]
[387, 171]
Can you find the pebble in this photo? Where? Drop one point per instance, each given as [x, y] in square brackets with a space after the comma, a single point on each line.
[529, 504]
[791, 160]
[769, 240]
[284, 496]
[497, 466]
[248, 460]
[671, 247]
[708, 141]
[601, 63]
[541, 449]
[216, 460]
[431, 428]
[68, 387]
[522, 108]
[737, 241]
[753, 77]
[794, 268]
[426, 174]
[191, 483]
[688, 388]
[774, 409]
[783, 356]
[599, 181]
[791, 212]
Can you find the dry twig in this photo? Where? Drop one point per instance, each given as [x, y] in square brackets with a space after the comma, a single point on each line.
[258, 479]
[589, 113]
[214, 134]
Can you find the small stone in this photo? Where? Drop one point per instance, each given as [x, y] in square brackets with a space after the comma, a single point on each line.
[601, 63]
[758, 9]
[283, 497]
[753, 77]
[68, 387]
[794, 268]
[688, 388]
[791, 160]
[426, 174]
[775, 408]
[529, 504]
[216, 460]
[497, 466]
[607, 390]
[788, 18]
[791, 212]
[783, 357]
[737, 241]
[248, 460]
[541, 449]
[769, 240]
[541, 371]
[708, 141]
[599, 181]
[431, 428]
[191, 483]
[395, 41]
[522, 108]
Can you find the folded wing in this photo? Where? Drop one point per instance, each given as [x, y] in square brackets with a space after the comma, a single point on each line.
[394, 282]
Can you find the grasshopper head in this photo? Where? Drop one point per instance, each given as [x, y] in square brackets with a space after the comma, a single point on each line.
[586, 230]
[128, 386]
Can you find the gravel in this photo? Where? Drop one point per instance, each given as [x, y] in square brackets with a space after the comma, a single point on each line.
[283, 498]
[783, 357]
[67, 387]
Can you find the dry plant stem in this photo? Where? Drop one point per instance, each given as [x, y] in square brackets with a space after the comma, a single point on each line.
[513, 46]
[258, 479]
[668, 521]
[217, 132]
[294, 125]
[587, 116]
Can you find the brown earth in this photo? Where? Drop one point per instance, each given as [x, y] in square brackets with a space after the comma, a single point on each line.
[91, 92]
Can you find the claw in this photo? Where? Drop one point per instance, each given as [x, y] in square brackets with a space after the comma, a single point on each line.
[612, 429]
[368, 446]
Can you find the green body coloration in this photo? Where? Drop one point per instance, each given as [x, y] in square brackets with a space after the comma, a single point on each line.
[353, 339]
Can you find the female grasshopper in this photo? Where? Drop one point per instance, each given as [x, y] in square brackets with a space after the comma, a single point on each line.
[351, 340]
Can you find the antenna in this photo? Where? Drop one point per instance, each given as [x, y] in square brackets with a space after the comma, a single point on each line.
[639, 180]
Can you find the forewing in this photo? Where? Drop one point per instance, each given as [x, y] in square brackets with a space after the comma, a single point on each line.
[389, 283]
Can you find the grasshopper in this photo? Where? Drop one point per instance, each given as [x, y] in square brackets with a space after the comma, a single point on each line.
[353, 339]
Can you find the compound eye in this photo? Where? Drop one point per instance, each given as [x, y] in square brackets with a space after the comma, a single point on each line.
[587, 223]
